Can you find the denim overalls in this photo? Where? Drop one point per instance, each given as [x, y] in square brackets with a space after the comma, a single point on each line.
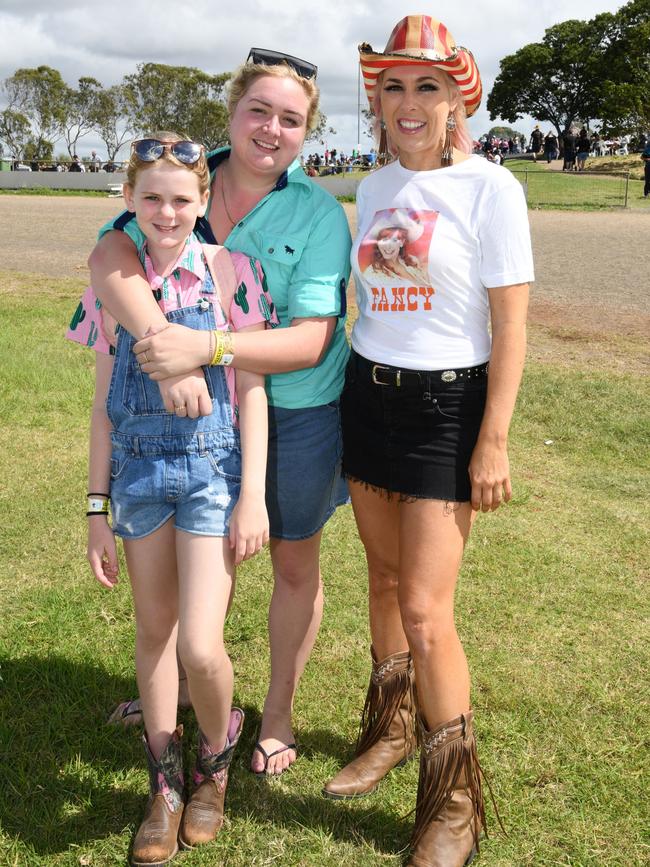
[162, 465]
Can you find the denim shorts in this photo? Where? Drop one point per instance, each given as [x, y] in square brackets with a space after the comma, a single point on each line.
[197, 483]
[303, 477]
[411, 432]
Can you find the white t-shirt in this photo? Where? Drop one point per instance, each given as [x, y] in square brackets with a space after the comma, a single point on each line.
[464, 226]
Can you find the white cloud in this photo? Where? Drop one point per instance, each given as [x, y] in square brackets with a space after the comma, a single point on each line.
[108, 41]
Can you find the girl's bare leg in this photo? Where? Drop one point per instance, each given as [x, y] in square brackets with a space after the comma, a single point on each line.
[206, 576]
[151, 564]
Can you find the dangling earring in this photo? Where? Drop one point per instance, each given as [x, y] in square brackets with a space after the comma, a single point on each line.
[447, 158]
[382, 156]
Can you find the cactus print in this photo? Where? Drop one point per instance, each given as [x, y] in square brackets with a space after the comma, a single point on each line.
[240, 297]
[189, 283]
[77, 317]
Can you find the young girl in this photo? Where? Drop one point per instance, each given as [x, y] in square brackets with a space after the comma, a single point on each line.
[186, 499]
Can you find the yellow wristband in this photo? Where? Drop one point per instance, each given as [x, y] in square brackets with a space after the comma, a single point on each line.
[224, 348]
[218, 349]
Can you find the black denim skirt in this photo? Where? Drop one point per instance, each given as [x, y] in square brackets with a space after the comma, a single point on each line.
[411, 433]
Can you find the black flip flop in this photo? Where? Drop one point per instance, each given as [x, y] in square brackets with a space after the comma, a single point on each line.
[267, 756]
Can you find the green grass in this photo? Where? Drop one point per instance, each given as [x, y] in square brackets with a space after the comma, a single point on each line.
[578, 191]
[602, 186]
[552, 608]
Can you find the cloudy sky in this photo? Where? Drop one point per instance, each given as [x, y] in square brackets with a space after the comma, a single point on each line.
[108, 39]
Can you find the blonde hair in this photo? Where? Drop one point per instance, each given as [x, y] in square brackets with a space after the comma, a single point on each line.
[249, 72]
[461, 138]
[199, 168]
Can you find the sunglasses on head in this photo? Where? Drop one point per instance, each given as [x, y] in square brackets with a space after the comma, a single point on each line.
[151, 149]
[266, 57]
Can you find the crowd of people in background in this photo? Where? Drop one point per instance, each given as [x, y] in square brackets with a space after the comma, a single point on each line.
[574, 147]
[333, 163]
[75, 164]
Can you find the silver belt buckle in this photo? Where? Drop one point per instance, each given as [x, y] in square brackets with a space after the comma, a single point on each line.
[448, 375]
[375, 368]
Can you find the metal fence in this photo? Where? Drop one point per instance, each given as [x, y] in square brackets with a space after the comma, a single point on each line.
[581, 190]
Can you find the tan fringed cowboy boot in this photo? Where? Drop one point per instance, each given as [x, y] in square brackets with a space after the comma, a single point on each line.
[203, 816]
[387, 730]
[156, 841]
[449, 813]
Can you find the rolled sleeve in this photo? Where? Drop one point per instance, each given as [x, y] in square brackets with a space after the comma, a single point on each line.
[252, 303]
[320, 279]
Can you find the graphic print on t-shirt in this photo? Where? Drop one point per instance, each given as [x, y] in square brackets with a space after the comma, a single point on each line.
[393, 258]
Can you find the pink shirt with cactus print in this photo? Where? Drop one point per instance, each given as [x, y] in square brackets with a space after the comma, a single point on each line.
[185, 286]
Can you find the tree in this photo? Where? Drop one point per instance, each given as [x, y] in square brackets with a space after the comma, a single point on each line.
[321, 131]
[581, 71]
[179, 98]
[39, 94]
[113, 111]
[38, 151]
[504, 132]
[626, 89]
[15, 131]
[369, 121]
[552, 80]
[81, 112]
[208, 123]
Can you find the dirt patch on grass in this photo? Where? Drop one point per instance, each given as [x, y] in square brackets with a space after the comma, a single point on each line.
[589, 306]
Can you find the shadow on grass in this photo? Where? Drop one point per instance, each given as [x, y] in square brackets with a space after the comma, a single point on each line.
[71, 780]
[66, 775]
[285, 805]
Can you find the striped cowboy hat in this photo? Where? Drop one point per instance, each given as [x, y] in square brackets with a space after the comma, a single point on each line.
[420, 39]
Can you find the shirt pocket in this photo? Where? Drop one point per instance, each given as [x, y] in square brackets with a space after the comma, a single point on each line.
[279, 249]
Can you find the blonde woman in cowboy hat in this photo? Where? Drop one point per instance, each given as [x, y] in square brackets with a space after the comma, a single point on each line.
[425, 425]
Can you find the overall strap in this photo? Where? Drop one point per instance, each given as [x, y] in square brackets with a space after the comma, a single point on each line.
[223, 274]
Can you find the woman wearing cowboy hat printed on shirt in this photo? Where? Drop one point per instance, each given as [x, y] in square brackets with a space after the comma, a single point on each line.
[391, 238]
[425, 428]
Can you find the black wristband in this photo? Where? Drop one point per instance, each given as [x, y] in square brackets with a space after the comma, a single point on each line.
[88, 514]
[103, 496]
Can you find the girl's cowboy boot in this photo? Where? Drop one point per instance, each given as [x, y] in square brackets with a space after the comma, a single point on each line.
[449, 813]
[203, 815]
[387, 731]
[156, 840]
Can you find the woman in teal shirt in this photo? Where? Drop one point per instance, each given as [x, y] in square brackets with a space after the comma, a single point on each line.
[263, 204]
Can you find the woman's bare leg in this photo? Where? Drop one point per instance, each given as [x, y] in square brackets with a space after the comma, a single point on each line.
[377, 520]
[432, 538]
[294, 619]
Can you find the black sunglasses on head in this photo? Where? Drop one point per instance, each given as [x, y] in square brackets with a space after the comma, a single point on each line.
[266, 57]
[151, 149]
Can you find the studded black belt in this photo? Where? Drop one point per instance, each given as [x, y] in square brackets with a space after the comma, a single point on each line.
[396, 377]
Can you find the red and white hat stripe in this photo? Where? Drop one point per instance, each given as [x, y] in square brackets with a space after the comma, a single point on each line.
[421, 40]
